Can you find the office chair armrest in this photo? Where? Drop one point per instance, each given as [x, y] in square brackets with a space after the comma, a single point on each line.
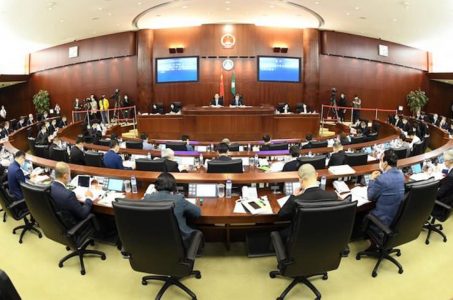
[76, 228]
[443, 205]
[387, 231]
[194, 245]
[278, 246]
[16, 203]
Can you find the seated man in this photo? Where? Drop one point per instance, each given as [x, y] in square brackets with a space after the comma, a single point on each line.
[174, 109]
[223, 151]
[77, 155]
[3, 132]
[65, 200]
[56, 144]
[237, 101]
[62, 122]
[43, 137]
[185, 138]
[364, 129]
[434, 119]
[166, 190]
[112, 159]
[21, 123]
[157, 109]
[344, 138]
[293, 164]
[302, 108]
[267, 143]
[405, 126]
[16, 175]
[168, 155]
[146, 144]
[308, 140]
[386, 189]
[414, 138]
[338, 156]
[30, 120]
[309, 191]
[217, 100]
[445, 192]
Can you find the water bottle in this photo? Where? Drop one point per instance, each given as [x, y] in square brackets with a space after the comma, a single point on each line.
[134, 184]
[229, 187]
[257, 161]
[249, 147]
[148, 155]
[212, 147]
[201, 159]
[323, 183]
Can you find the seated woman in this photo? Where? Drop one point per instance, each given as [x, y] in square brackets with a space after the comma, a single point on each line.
[166, 191]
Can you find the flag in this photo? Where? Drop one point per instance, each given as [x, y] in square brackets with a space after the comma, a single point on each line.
[222, 87]
[233, 84]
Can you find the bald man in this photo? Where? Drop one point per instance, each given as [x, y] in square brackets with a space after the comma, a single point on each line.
[309, 191]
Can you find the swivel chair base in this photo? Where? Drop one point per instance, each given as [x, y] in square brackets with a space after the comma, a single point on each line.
[81, 252]
[303, 280]
[432, 227]
[28, 226]
[169, 281]
[381, 254]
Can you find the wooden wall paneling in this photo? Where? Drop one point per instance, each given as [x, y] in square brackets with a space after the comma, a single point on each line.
[440, 98]
[145, 75]
[311, 68]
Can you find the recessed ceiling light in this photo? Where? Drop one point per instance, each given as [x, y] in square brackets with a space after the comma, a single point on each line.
[227, 2]
[185, 6]
[139, 3]
[109, 13]
[395, 20]
[348, 13]
[100, 8]
[61, 21]
[356, 8]
[317, 2]
[228, 8]
[271, 6]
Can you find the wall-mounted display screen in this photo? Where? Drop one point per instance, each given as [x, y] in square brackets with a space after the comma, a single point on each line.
[177, 69]
[282, 69]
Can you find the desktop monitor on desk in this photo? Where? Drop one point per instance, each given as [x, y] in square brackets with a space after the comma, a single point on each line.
[115, 185]
[203, 190]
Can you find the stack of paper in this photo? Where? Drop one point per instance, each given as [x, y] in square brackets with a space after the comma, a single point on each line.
[341, 170]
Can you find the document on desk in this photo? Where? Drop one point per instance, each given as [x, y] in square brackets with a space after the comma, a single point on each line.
[360, 194]
[238, 208]
[341, 170]
[258, 206]
[425, 176]
[276, 167]
[110, 197]
[192, 200]
[283, 200]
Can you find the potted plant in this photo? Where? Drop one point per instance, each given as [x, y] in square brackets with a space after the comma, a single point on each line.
[416, 100]
[41, 100]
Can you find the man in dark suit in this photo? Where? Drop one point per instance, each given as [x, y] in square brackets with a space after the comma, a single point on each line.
[30, 120]
[309, 192]
[20, 124]
[434, 119]
[65, 200]
[62, 122]
[237, 101]
[183, 210]
[16, 175]
[308, 140]
[43, 137]
[168, 155]
[112, 159]
[338, 156]
[294, 164]
[56, 144]
[267, 143]
[77, 155]
[302, 108]
[445, 193]
[217, 100]
[224, 152]
[405, 126]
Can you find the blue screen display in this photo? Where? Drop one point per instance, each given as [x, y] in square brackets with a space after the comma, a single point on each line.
[286, 69]
[180, 69]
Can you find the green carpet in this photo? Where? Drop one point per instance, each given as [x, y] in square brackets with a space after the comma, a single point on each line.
[225, 275]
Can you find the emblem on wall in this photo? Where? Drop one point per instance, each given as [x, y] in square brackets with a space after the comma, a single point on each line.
[228, 64]
[228, 40]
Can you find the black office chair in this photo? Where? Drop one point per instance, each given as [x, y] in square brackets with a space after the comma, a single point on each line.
[17, 209]
[94, 159]
[59, 155]
[357, 139]
[176, 146]
[372, 136]
[225, 166]
[60, 226]
[318, 162]
[400, 152]
[279, 146]
[103, 142]
[88, 139]
[134, 144]
[441, 212]
[153, 165]
[42, 151]
[233, 147]
[406, 227]
[309, 252]
[31, 144]
[318, 144]
[7, 289]
[151, 239]
[417, 149]
[356, 159]
[160, 108]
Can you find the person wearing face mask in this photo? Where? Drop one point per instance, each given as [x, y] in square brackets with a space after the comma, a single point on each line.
[77, 155]
[42, 137]
[5, 130]
[52, 127]
[30, 120]
[157, 109]
[386, 188]
[3, 112]
[237, 101]
[16, 175]
[20, 124]
[66, 200]
[62, 122]
[342, 102]
[217, 100]
[56, 144]
[112, 159]
[45, 115]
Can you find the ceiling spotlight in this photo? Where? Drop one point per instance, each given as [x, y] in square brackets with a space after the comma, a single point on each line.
[356, 8]
[348, 13]
[317, 2]
[228, 8]
[227, 2]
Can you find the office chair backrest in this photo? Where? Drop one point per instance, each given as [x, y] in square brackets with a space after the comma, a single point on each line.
[104, 142]
[225, 166]
[59, 155]
[150, 234]
[88, 139]
[134, 144]
[7, 289]
[318, 144]
[42, 208]
[372, 136]
[154, 165]
[176, 146]
[233, 147]
[31, 144]
[94, 159]
[358, 139]
[318, 162]
[279, 146]
[417, 149]
[356, 159]
[400, 152]
[42, 151]
[299, 107]
[320, 231]
[414, 211]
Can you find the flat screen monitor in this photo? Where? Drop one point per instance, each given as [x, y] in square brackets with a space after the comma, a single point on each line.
[83, 181]
[115, 185]
[280, 69]
[177, 69]
[206, 190]
[417, 168]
